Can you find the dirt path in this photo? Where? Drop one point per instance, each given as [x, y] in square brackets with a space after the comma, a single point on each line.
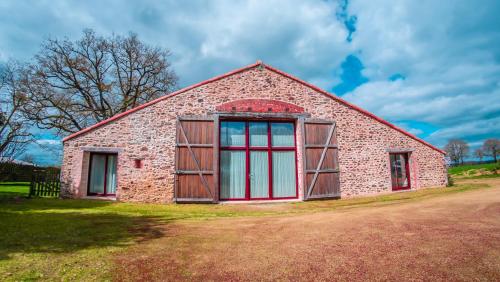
[454, 237]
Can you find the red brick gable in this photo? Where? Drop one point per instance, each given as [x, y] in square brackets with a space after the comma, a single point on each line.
[259, 106]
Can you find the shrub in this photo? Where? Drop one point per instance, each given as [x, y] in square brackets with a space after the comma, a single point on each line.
[450, 181]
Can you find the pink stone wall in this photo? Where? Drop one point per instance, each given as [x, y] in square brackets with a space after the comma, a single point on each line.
[149, 134]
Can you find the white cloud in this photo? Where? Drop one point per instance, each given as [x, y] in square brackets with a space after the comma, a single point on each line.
[206, 38]
[447, 51]
[48, 142]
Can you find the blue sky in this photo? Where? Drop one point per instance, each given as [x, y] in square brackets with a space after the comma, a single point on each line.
[431, 67]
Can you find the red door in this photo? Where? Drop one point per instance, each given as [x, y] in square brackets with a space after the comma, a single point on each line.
[400, 171]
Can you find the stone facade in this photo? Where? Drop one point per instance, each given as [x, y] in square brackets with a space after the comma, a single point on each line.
[148, 134]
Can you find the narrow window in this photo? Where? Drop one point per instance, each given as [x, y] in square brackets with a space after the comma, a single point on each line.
[102, 174]
[400, 173]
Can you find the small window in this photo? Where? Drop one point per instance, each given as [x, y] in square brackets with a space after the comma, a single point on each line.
[400, 171]
[232, 133]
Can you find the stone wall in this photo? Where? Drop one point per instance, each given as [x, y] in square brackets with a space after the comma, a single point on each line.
[149, 134]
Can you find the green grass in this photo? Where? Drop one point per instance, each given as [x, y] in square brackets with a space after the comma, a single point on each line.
[463, 169]
[14, 189]
[53, 239]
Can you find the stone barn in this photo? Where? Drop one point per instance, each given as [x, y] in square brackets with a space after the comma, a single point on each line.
[255, 133]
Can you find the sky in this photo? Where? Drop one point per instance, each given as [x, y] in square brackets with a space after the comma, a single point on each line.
[430, 67]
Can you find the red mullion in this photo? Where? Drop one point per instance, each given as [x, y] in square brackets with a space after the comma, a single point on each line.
[296, 162]
[269, 161]
[233, 148]
[283, 149]
[247, 161]
[258, 148]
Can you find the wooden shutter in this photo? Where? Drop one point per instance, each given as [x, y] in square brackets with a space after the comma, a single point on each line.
[321, 159]
[196, 160]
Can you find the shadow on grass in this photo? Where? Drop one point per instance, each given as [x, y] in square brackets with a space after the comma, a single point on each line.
[30, 226]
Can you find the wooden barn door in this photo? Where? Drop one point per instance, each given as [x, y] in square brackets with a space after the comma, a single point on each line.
[196, 160]
[321, 160]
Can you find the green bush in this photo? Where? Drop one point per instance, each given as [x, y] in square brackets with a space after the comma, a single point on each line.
[450, 181]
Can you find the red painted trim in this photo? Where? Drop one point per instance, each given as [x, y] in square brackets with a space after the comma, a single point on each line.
[269, 162]
[407, 172]
[258, 63]
[105, 173]
[269, 148]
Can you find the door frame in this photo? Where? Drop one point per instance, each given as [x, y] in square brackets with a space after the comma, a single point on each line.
[406, 156]
[92, 154]
[247, 148]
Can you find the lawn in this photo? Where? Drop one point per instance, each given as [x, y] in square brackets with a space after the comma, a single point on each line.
[53, 239]
[14, 189]
[475, 170]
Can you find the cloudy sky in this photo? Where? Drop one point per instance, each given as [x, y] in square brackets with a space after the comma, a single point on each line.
[431, 67]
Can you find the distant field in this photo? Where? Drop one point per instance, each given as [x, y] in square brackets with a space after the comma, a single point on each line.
[14, 189]
[475, 171]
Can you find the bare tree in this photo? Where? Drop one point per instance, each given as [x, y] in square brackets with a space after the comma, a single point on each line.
[72, 85]
[491, 148]
[14, 135]
[478, 153]
[457, 150]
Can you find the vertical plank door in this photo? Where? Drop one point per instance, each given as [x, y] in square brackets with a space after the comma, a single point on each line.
[196, 160]
[321, 159]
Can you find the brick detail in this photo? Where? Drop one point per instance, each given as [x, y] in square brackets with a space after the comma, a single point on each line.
[259, 106]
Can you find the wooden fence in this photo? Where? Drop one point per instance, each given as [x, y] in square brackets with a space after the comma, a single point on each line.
[45, 183]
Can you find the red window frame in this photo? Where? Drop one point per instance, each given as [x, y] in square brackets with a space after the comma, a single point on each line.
[105, 174]
[406, 157]
[269, 148]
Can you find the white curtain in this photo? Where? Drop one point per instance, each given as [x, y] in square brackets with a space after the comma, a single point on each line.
[258, 133]
[398, 170]
[232, 133]
[282, 134]
[97, 174]
[259, 174]
[403, 180]
[284, 174]
[232, 166]
[111, 176]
